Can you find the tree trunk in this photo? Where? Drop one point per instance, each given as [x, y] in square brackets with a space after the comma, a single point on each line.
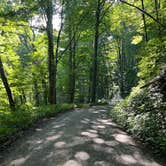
[157, 6]
[72, 49]
[57, 49]
[44, 87]
[7, 87]
[94, 63]
[51, 62]
[144, 22]
[36, 93]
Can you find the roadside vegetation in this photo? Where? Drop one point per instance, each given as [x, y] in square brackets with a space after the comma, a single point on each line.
[12, 124]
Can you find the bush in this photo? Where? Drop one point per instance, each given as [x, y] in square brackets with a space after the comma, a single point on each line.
[143, 115]
[13, 122]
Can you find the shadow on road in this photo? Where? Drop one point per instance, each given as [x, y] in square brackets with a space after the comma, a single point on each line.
[79, 138]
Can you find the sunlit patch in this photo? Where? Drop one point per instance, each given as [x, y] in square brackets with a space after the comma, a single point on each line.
[109, 150]
[101, 127]
[95, 112]
[92, 131]
[98, 140]
[88, 134]
[39, 142]
[123, 138]
[85, 122]
[103, 110]
[60, 144]
[82, 156]
[37, 148]
[58, 126]
[111, 124]
[86, 119]
[38, 129]
[53, 138]
[71, 163]
[101, 163]
[19, 161]
[102, 120]
[111, 143]
[126, 159]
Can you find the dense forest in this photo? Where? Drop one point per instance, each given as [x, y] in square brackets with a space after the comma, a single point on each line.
[59, 54]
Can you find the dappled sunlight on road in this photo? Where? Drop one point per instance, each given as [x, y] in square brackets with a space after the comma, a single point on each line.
[53, 138]
[60, 144]
[88, 134]
[124, 138]
[83, 138]
[72, 163]
[82, 156]
[98, 140]
[101, 163]
[19, 161]
[126, 159]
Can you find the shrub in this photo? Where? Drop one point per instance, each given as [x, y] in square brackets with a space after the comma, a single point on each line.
[13, 122]
[143, 115]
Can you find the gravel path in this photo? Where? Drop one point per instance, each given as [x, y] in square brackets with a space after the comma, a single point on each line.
[84, 137]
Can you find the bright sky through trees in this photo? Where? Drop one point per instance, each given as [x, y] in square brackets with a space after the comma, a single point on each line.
[40, 22]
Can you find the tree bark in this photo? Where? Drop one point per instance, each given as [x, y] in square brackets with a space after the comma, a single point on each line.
[51, 62]
[57, 50]
[94, 61]
[144, 22]
[45, 94]
[157, 6]
[7, 87]
[36, 93]
[72, 52]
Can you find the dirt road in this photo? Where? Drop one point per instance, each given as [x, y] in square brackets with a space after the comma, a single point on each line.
[84, 137]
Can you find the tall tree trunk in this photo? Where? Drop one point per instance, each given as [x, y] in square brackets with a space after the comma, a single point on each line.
[44, 87]
[7, 87]
[36, 93]
[72, 49]
[144, 21]
[96, 42]
[73, 72]
[51, 62]
[157, 6]
[57, 49]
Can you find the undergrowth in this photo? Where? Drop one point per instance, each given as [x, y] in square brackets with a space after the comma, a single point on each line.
[143, 115]
[25, 116]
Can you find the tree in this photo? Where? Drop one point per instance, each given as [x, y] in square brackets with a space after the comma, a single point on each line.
[99, 7]
[7, 87]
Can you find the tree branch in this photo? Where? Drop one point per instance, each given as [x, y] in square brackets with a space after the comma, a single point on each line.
[143, 11]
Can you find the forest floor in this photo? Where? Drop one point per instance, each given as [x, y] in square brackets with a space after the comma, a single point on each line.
[83, 137]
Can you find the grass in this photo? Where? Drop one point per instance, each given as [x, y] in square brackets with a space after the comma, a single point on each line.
[11, 123]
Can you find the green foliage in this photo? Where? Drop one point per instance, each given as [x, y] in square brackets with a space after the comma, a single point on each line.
[11, 123]
[153, 59]
[143, 115]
